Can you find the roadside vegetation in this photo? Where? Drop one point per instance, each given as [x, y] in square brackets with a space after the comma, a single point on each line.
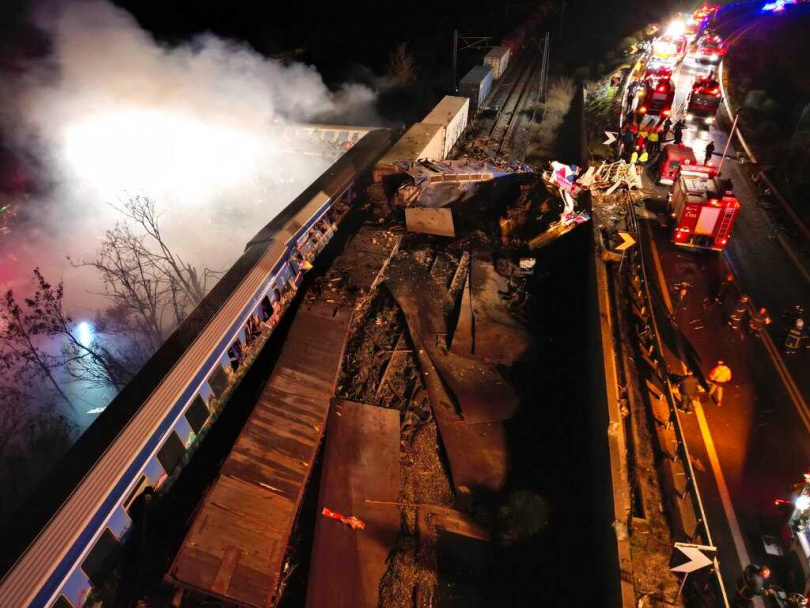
[549, 117]
[47, 359]
[770, 79]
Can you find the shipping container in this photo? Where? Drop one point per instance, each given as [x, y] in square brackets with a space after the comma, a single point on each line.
[421, 141]
[476, 85]
[497, 59]
[452, 114]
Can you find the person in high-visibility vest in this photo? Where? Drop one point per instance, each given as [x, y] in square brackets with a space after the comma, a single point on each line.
[634, 157]
[654, 139]
[719, 376]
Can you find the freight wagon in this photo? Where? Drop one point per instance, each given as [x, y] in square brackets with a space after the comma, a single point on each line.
[421, 141]
[452, 114]
[476, 85]
[497, 59]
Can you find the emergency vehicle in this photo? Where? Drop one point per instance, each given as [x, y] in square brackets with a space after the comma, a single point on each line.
[672, 157]
[669, 49]
[704, 208]
[703, 101]
[796, 535]
[657, 70]
[710, 50]
[658, 97]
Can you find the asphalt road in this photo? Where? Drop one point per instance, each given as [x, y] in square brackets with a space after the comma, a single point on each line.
[750, 450]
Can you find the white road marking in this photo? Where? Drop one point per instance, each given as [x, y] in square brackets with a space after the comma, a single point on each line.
[714, 461]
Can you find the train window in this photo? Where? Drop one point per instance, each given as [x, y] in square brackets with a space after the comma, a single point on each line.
[171, 453]
[142, 483]
[197, 414]
[218, 381]
[265, 309]
[62, 602]
[101, 559]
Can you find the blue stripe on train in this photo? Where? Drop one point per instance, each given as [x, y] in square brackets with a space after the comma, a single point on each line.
[53, 584]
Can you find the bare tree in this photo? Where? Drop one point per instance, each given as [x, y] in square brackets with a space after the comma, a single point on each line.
[151, 288]
[402, 65]
[92, 362]
[20, 352]
[15, 408]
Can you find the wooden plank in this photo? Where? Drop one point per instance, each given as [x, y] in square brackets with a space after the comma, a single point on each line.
[361, 462]
[237, 543]
[429, 220]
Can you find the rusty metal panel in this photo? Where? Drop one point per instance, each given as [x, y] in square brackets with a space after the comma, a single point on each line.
[430, 220]
[236, 545]
[361, 462]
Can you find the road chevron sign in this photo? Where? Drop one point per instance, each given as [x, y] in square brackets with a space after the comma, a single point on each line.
[611, 137]
[695, 558]
[627, 241]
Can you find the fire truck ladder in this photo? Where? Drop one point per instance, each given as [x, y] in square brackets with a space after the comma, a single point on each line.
[728, 214]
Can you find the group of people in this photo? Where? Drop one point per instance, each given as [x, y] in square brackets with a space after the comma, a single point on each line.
[690, 387]
[640, 143]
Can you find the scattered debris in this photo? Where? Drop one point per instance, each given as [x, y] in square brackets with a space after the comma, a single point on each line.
[611, 176]
[443, 183]
[352, 522]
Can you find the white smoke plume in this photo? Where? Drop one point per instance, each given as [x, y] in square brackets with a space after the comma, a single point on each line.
[197, 127]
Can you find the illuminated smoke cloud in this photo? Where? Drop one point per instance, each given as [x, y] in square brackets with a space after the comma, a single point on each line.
[196, 126]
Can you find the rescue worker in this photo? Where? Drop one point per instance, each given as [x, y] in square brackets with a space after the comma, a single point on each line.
[655, 144]
[735, 319]
[642, 137]
[709, 152]
[751, 584]
[759, 321]
[690, 392]
[681, 290]
[665, 128]
[678, 130]
[628, 139]
[643, 157]
[718, 377]
[725, 286]
[795, 338]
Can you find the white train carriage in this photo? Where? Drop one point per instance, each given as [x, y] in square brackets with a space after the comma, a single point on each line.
[67, 537]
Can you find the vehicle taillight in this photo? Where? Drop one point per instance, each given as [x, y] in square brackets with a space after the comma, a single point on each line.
[661, 88]
[665, 112]
[642, 109]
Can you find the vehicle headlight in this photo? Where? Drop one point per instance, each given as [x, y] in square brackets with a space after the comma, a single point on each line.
[709, 119]
[689, 117]
[714, 57]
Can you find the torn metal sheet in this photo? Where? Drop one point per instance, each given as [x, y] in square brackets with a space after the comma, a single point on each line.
[443, 183]
[360, 470]
[428, 220]
[498, 336]
[479, 388]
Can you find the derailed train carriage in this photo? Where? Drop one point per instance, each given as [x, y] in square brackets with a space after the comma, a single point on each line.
[65, 539]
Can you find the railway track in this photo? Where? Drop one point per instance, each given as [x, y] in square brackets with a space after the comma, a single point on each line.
[504, 127]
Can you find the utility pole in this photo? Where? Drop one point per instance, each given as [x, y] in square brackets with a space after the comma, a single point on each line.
[455, 59]
[728, 141]
[469, 41]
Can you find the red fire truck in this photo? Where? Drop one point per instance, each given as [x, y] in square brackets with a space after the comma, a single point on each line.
[703, 101]
[658, 97]
[672, 157]
[704, 208]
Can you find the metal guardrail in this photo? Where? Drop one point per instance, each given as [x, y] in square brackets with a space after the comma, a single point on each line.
[635, 265]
